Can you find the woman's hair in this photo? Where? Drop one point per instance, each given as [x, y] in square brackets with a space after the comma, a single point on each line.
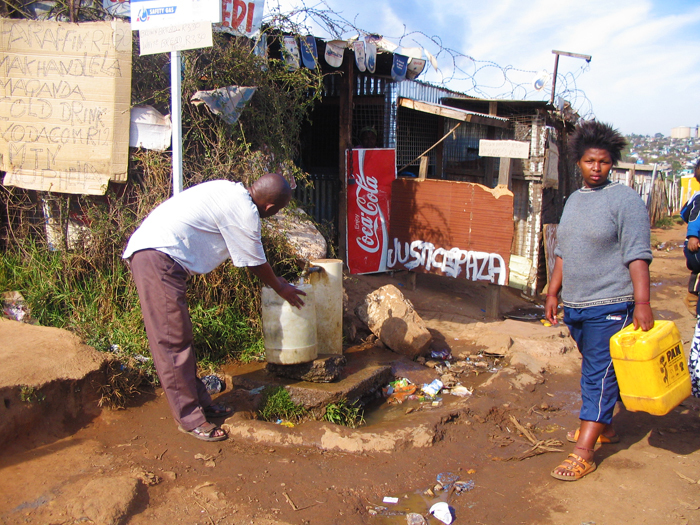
[592, 134]
[697, 166]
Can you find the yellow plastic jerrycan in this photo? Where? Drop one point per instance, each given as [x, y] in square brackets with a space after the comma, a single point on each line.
[651, 368]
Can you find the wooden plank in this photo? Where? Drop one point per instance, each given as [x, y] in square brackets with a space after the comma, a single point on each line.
[453, 113]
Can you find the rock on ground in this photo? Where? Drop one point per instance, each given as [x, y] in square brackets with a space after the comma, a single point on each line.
[105, 501]
[392, 318]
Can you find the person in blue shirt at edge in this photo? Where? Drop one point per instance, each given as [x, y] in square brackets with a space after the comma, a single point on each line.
[603, 254]
[691, 215]
[192, 233]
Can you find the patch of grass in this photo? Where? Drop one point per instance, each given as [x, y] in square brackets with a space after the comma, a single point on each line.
[277, 404]
[665, 223]
[344, 413]
[29, 394]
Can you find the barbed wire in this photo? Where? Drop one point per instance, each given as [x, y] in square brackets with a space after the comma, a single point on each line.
[457, 71]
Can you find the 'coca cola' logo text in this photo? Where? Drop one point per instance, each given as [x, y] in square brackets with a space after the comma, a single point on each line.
[370, 213]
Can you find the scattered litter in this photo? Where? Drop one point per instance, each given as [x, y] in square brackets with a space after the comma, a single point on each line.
[15, 307]
[545, 322]
[142, 358]
[463, 486]
[115, 348]
[398, 391]
[389, 499]
[443, 354]
[442, 511]
[256, 391]
[285, 423]
[213, 383]
[432, 389]
[446, 479]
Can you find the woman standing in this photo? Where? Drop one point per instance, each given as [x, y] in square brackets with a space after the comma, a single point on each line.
[602, 268]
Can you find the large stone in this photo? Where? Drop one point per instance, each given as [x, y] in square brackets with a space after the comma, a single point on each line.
[105, 501]
[392, 318]
[325, 369]
[303, 236]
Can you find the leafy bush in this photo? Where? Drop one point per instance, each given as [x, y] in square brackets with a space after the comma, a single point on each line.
[79, 282]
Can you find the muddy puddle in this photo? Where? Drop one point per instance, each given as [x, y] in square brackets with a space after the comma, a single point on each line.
[456, 381]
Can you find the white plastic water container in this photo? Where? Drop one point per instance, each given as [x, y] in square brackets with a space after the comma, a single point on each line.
[289, 332]
[328, 293]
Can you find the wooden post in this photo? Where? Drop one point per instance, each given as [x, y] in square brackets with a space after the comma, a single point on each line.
[347, 88]
[493, 301]
[412, 281]
[440, 149]
[504, 172]
[423, 169]
[489, 172]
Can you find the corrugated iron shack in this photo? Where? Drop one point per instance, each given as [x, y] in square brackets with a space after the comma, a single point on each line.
[436, 134]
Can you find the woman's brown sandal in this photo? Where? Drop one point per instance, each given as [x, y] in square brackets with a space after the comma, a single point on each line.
[576, 465]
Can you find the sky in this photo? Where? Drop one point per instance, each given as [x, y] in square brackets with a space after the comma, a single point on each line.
[644, 75]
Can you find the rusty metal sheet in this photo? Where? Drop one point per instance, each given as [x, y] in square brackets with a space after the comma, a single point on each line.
[460, 229]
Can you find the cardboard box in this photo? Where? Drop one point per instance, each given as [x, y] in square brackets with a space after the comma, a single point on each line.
[65, 94]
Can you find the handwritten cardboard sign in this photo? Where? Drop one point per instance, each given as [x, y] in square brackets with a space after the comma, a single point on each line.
[179, 37]
[65, 93]
[513, 149]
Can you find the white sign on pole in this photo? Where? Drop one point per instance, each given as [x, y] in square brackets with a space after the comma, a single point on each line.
[513, 149]
[175, 38]
[146, 14]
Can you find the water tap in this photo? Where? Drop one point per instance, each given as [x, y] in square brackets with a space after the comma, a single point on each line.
[308, 269]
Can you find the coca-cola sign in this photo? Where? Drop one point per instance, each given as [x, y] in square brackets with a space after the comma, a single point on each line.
[370, 173]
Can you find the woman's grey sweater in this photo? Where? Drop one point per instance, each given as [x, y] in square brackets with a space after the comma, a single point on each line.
[602, 230]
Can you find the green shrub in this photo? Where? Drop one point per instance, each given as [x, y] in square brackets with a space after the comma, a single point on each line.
[82, 284]
[277, 404]
[344, 413]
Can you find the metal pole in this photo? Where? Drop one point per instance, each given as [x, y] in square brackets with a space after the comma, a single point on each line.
[556, 53]
[554, 78]
[176, 117]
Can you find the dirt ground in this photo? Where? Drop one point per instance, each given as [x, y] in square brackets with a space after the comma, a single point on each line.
[652, 476]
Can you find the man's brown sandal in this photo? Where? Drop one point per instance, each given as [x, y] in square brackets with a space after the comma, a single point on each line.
[576, 465]
[206, 432]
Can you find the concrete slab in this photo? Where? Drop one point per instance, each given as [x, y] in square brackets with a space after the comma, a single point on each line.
[368, 369]
[47, 378]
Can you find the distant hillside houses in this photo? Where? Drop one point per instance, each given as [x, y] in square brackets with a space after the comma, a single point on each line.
[671, 155]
